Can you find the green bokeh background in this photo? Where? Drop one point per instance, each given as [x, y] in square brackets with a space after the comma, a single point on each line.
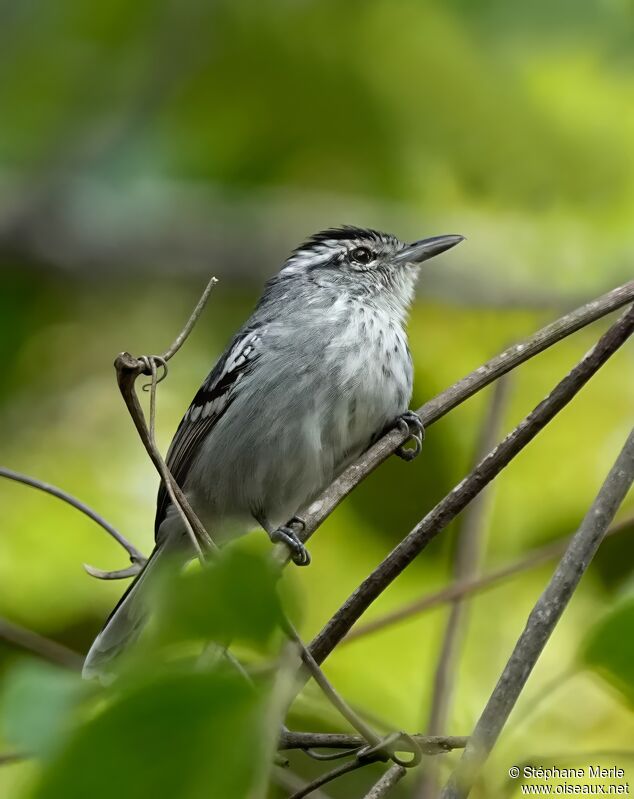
[144, 147]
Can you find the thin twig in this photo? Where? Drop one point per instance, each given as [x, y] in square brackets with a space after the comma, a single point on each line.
[181, 338]
[468, 554]
[381, 788]
[128, 369]
[450, 398]
[542, 621]
[170, 483]
[457, 499]
[427, 744]
[116, 574]
[462, 588]
[135, 555]
[324, 779]
[333, 696]
[291, 782]
[9, 758]
[39, 645]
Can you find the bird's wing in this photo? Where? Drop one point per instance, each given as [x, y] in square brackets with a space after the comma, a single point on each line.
[210, 403]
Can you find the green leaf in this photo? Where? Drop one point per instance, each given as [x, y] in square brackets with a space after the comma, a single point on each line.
[191, 736]
[38, 700]
[609, 648]
[233, 598]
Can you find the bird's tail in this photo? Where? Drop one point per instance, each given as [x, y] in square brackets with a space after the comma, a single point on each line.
[123, 626]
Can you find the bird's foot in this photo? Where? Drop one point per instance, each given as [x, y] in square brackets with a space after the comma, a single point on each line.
[287, 535]
[410, 423]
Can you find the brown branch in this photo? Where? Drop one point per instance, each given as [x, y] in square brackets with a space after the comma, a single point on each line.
[39, 645]
[9, 758]
[469, 547]
[291, 782]
[450, 398]
[324, 779]
[128, 369]
[331, 693]
[381, 788]
[542, 621]
[449, 507]
[135, 555]
[462, 588]
[427, 744]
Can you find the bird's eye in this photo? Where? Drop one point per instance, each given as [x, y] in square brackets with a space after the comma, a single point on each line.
[362, 255]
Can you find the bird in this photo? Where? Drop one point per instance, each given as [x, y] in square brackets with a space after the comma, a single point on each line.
[318, 372]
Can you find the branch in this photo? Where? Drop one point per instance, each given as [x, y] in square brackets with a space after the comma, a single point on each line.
[291, 782]
[135, 556]
[324, 779]
[328, 689]
[469, 546]
[40, 645]
[450, 398]
[461, 588]
[9, 758]
[128, 369]
[542, 621]
[449, 507]
[380, 789]
[427, 744]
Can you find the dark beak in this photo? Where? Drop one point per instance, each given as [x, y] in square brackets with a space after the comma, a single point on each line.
[421, 250]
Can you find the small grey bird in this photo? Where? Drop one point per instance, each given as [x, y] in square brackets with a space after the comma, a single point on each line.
[320, 369]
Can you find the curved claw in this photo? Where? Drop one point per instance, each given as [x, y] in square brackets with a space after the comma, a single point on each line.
[286, 535]
[410, 423]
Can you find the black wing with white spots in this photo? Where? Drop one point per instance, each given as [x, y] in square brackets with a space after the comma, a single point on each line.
[210, 403]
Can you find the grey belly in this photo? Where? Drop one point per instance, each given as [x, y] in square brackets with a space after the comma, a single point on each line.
[288, 435]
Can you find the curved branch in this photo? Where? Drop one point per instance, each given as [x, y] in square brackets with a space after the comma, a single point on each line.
[40, 645]
[461, 588]
[427, 744]
[449, 507]
[450, 398]
[135, 555]
[542, 621]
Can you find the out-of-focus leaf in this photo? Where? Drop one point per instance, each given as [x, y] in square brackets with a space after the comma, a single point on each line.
[38, 700]
[191, 736]
[609, 648]
[233, 598]
[614, 562]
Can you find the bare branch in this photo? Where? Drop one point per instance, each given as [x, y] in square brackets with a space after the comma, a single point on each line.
[453, 396]
[39, 645]
[135, 555]
[462, 588]
[469, 546]
[542, 621]
[128, 369]
[189, 325]
[291, 782]
[427, 744]
[328, 689]
[9, 758]
[324, 779]
[380, 789]
[449, 507]
[116, 574]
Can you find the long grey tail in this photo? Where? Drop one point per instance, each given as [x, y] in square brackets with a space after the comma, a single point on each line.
[123, 626]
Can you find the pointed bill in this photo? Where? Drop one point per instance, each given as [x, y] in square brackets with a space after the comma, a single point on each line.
[424, 249]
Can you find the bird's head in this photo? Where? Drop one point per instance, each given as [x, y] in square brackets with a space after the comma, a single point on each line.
[364, 262]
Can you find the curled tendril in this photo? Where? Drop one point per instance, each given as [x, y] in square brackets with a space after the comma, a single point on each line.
[332, 755]
[386, 746]
[157, 360]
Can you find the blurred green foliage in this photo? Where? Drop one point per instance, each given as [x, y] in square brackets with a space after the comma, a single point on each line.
[145, 145]
[609, 647]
